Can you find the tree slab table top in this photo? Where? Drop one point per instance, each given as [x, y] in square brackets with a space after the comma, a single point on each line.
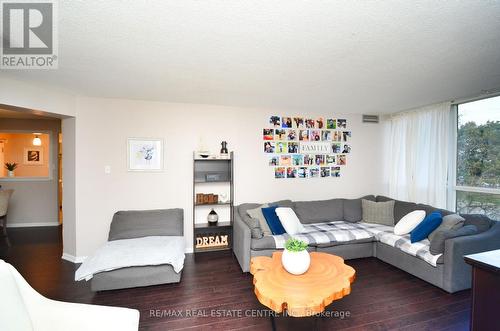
[328, 279]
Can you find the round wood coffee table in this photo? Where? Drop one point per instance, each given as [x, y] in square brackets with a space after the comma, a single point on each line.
[327, 279]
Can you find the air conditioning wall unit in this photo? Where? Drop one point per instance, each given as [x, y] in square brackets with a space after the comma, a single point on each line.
[370, 118]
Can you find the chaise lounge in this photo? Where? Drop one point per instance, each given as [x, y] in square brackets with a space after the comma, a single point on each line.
[153, 239]
[447, 270]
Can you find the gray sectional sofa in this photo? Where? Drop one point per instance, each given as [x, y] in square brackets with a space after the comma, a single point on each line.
[451, 273]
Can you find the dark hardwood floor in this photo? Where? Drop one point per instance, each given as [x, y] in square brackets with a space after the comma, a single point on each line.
[383, 297]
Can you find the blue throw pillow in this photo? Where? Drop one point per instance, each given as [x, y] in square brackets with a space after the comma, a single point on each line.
[429, 224]
[272, 220]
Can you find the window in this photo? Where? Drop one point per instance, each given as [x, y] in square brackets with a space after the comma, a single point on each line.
[478, 158]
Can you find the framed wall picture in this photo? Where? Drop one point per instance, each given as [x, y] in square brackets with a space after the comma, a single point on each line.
[33, 156]
[145, 154]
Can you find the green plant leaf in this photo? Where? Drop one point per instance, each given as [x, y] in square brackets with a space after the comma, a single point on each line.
[295, 245]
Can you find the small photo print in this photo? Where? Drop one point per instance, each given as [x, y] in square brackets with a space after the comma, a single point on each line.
[335, 171]
[314, 172]
[326, 135]
[325, 172]
[280, 172]
[341, 159]
[319, 160]
[346, 135]
[297, 159]
[320, 123]
[298, 122]
[308, 160]
[336, 148]
[315, 135]
[292, 135]
[331, 123]
[281, 147]
[293, 147]
[268, 134]
[346, 149]
[302, 172]
[330, 159]
[304, 135]
[341, 123]
[280, 134]
[269, 147]
[336, 136]
[291, 172]
[310, 123]
[285, 160]
[286, 122]
[274, 161]
[275, 121]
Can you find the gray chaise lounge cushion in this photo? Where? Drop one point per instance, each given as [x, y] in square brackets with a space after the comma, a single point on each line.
[135, 277]
[143, 223]
[352, 208]
[320, 211]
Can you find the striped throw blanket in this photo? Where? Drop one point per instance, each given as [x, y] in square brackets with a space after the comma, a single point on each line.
[325, 233]
[419, 249]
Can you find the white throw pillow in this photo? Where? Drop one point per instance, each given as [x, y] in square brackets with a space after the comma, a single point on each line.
[409, 222]
[289, 220]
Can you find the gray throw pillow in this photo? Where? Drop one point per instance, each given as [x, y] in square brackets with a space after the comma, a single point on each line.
[257, 215]
[438, 241]
[450, 222]
[481, 222]
[254, 226]
[378, 212]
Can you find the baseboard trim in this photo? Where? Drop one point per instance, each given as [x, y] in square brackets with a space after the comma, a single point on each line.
[72, 258]
[30, 225]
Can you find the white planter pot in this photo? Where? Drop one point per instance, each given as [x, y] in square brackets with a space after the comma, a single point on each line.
[296, 263]
[11, 173]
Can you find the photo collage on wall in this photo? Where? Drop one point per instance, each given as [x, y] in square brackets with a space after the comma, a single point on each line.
[300, 147]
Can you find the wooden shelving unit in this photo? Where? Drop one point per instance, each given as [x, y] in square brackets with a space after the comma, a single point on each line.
[205, 172]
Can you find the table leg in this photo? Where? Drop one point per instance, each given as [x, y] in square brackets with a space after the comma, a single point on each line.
[273, 322]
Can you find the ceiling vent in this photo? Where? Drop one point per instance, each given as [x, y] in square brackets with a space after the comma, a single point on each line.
[370, 118]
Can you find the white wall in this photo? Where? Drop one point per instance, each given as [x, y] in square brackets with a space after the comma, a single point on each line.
[102, 128]
[35, 97]
[34, 202]
[97, 137]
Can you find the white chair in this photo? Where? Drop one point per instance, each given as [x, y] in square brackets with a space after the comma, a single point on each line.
[24, 309]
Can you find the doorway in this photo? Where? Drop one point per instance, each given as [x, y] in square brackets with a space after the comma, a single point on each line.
[33, 142]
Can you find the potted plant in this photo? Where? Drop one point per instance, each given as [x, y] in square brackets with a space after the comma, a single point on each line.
[295, 258]
[11, 167]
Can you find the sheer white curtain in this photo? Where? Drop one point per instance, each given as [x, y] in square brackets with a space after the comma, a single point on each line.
[418, 155]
